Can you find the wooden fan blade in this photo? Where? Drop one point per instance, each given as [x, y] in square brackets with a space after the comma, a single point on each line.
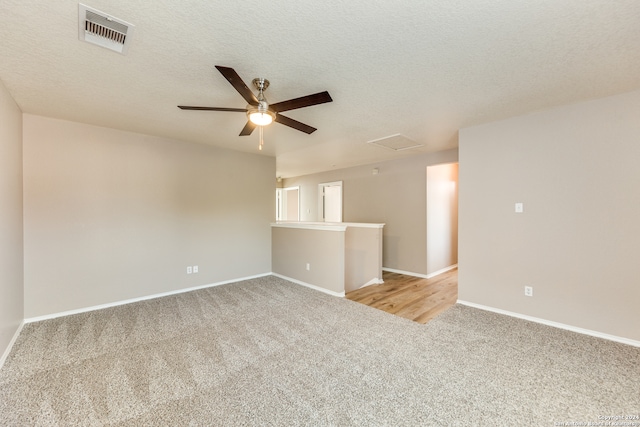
[294, 124]
[303, 101]
[235, 80]
[186, 107]
[248, 128]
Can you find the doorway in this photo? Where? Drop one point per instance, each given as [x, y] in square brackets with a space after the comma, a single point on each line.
[288, 204]
[330, 201]
[442, 218]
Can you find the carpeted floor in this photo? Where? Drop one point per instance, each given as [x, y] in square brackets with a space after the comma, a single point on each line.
[269, 352]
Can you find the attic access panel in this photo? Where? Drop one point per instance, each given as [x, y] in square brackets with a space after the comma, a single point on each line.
[397, 142]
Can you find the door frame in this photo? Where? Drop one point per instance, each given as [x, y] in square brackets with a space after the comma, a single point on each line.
[321, 187]
[281, 203]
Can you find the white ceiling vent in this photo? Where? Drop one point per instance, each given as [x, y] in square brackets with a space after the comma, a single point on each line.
[104, 30]
[395, 142]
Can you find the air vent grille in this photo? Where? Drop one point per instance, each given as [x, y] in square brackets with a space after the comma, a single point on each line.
[103, 27]
[104, 30]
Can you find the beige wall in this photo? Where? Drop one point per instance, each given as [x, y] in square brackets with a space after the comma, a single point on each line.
[11, 254]
[112, 215]
[395, 196]
[363, 257]
[576, 169]
[323, 250]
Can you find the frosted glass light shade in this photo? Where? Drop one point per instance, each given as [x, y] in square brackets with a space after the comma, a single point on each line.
[261, 118]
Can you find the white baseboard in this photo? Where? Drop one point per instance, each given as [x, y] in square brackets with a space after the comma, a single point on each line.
[11, 343]
[132, 300]
[408, 273]
[424, 276]
[374, 281]
[309, 285]
[441, 271]
[554, 324]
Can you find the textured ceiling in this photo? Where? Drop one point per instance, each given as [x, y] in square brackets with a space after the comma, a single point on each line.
[420, 68]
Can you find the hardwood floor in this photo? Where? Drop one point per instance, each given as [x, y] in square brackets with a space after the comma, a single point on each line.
[410, 297]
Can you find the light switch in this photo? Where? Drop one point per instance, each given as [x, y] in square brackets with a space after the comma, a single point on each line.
[519, 207]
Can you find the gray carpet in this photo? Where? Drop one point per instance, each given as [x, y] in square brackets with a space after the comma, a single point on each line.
[269, 352]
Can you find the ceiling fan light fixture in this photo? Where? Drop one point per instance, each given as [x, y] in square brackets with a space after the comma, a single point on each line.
[261, 117]
[259, 113]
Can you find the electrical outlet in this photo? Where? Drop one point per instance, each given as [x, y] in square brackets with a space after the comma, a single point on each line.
[195, 268]
[528, 291]
[189, 270]
[308, 266]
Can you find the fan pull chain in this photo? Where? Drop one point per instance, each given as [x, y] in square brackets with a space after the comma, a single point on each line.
[261, 140]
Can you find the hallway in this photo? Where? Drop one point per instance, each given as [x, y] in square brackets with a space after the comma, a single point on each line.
[411, 297]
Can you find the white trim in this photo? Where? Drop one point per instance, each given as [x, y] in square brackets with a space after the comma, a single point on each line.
[326, 225]
[554, 324]
[441, 271]
[374, 281]
[278, 204]
[11, 343]
[408, 273]
[362, 224]
[424, 276]
[308, 226]
[308, 285]
[132, 300]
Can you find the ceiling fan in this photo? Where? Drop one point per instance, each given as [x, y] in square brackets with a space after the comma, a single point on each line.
[259, 112]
